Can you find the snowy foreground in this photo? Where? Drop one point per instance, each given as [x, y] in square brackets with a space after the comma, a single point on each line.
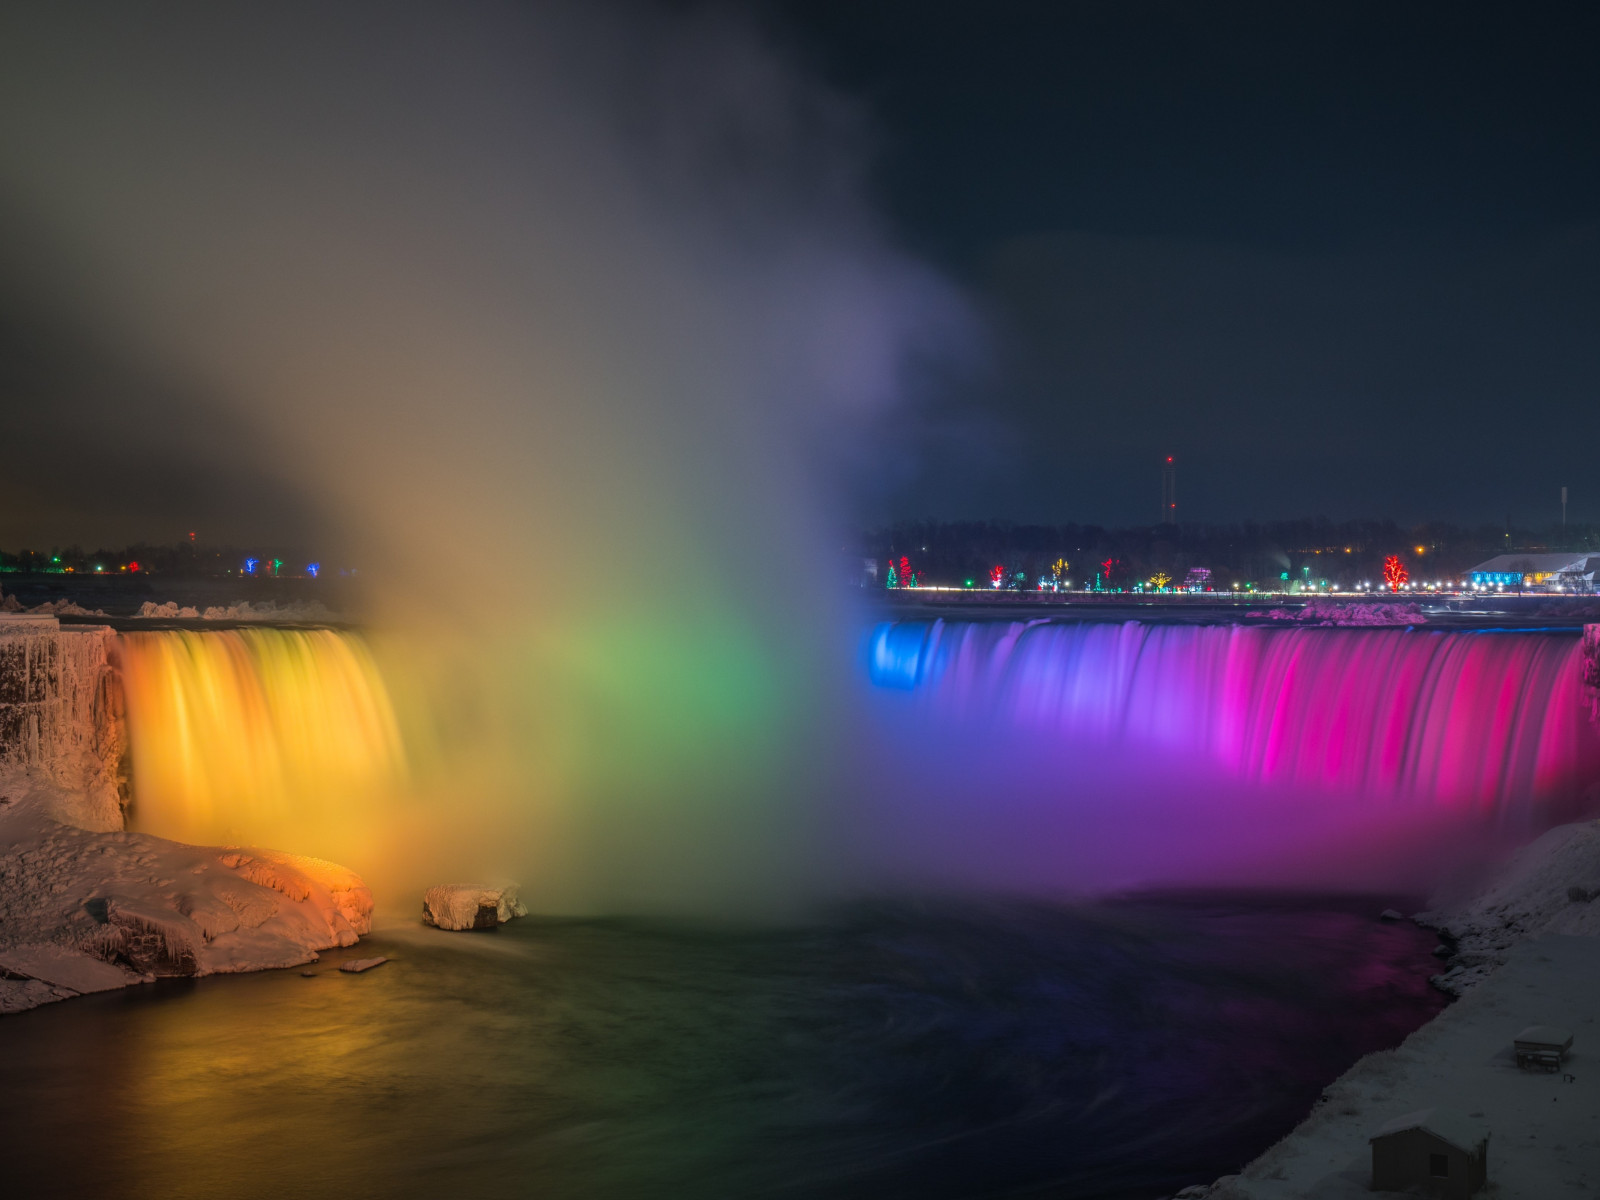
[84, 911]
[1528, 954]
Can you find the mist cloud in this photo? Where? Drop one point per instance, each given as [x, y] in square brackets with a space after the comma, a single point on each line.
[548, 313]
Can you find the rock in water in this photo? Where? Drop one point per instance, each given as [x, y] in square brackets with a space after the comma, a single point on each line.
[471, 906]
[357, 965]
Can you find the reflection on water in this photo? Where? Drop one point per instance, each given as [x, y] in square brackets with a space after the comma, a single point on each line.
[1116, 1050]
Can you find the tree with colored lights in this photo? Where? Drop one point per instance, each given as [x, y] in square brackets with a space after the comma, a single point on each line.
[1160, 580]
[1394, 572]
[907, 579]
[997, 575]
[892, 579]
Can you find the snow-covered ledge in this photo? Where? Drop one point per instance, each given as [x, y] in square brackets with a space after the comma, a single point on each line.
[86, 911]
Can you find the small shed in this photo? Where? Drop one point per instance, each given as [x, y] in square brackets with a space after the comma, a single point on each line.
[1443, 1151]
[1542, 1047]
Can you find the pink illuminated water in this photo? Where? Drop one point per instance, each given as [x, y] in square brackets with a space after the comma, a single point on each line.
[1462, 721]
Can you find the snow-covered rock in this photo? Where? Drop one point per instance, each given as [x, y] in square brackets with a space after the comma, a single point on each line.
[81, 910]
[169, 611]
[66, 608]
[1330, 612]
[306, 611]
[471, 906]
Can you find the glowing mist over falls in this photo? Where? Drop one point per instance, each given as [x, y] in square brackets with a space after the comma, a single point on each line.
[243, 735]
[1467, 721]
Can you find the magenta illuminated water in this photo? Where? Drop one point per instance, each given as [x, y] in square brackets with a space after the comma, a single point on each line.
[1466, 721]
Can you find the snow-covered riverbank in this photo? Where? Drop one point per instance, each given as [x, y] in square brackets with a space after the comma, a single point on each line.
[1548, 887]
[1527, 954]
[85, 911]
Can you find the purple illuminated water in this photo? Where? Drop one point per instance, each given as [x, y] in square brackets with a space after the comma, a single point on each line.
[1090, 755]
[1464, 720]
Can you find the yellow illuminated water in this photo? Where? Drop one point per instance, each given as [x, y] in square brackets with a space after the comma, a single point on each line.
[238, 735]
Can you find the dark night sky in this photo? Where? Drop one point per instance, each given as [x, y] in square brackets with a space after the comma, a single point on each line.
[1339, 259]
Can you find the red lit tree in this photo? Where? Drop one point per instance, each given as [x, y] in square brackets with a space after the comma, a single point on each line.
[997, 575]
[1113, 571]
[906, 578]
[1394, 572]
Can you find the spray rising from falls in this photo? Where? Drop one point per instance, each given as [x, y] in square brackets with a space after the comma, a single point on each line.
[1484, 722]
[577, 304]
[256, 734]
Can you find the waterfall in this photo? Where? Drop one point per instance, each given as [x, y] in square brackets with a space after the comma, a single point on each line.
[1466, 720]
[237, 734]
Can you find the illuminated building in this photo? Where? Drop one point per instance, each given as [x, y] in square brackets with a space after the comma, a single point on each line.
[1541, 572]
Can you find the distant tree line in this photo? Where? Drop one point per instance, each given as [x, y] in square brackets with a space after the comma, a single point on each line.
[1268, 555]
[185, 560]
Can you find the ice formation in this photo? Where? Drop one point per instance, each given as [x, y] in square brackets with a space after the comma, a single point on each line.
[471, 906]
[61, 715]
[1591, 670]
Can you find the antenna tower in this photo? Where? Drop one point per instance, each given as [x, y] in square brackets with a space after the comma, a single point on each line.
[1169, 492]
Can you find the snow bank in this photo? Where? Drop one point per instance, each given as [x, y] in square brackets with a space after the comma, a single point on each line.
[471, 906]
[306, 611]
[1544, 1128]
[1526, 952]
[1549, 886]
[83, 911]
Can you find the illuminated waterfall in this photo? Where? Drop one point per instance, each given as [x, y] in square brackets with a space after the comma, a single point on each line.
[238, 734]
[1465, 720]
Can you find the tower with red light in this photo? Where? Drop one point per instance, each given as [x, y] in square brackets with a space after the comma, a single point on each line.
[1169, 491]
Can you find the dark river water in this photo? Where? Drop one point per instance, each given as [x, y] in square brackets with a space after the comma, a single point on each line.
[1121, 1049]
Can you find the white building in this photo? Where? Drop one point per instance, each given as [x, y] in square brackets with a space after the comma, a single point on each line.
[1538, 572]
